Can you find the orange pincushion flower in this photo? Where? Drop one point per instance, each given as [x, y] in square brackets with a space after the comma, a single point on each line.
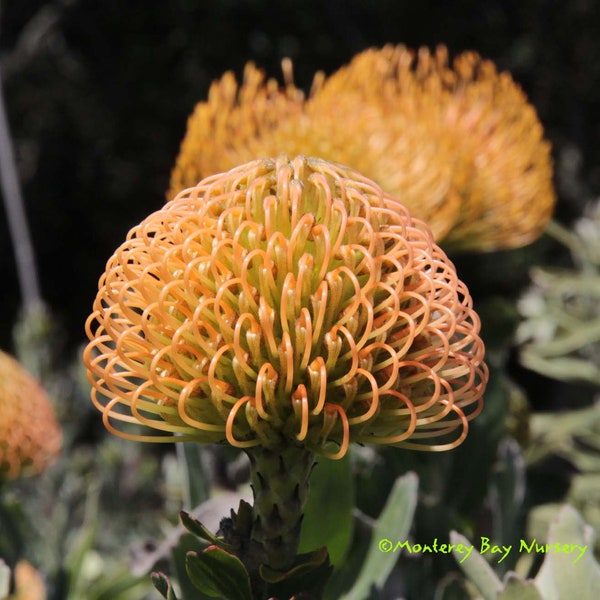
[224, 131]
[30, 436]
[459, 145]
[286, 302]
[501, 167]
[503, 170]
[257, 119]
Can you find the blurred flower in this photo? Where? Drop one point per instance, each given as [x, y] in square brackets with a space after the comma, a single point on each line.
[459, 146]
[257, 119]
[228, 129]
[502, 168]
[28, 583]
[30, 436]
[286, 302]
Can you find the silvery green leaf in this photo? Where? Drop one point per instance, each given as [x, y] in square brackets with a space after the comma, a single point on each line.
[570, 569]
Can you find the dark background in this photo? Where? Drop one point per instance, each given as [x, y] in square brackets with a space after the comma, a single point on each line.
[98, 93]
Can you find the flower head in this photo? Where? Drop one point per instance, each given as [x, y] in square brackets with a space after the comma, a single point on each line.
[503, 171]
[459, 145]
[228, 129]
[258, 119]
[30, 436]
[286, 302]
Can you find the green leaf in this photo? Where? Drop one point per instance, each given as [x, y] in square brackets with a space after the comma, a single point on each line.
[309, 574]
[4, 579]
[517, 589]
[508, 492]
[116, 584]
[196, 485]
[186, 543]
[302, 565]
[392, 526]
[476, 568]
[83, 543]
[328, 519]
[13, 527]
[219, 574]
[570, 569]
[163, 585]
[195, 527]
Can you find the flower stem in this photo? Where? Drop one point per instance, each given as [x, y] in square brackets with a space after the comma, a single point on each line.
[280, 481]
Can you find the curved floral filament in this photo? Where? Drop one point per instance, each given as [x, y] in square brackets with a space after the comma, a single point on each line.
[366, 326]
[325, 200]
[217, 362]
[250, 281]
[286, 362]
[303, 339]
[253, 346]
[108, 413]
[464, 429]
[230, 425]
[303, 281]
[300, 406]
[277, 251]
[387, 368]
[320, 236]
[265, 388]
[266, 318]
[372, 398]
[299, 236]
[317, 375]
[352, 354]
[319, 302]
[224, 312]
[287, 305]
[331, 413]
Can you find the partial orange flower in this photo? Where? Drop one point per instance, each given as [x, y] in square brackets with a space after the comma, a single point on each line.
[285, 302]
[459, 145]
[229, 127]
[30, 436]
[257, 119]
[29, 583]
[503, 170]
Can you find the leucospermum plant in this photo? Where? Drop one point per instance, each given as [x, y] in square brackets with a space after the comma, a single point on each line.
[457, 142]
[289, 308]
[30, 435]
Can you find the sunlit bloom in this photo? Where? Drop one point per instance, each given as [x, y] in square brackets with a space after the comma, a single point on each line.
[257, 119]
[458, 144]
[30, 436]
[502, 168]
[286, 302]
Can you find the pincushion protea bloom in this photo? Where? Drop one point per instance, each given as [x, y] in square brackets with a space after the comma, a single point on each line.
[502, 167]
[30, 436]
[258, 119]
[228, 128]
[287, 308]
[459, 145]
[286, 302]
